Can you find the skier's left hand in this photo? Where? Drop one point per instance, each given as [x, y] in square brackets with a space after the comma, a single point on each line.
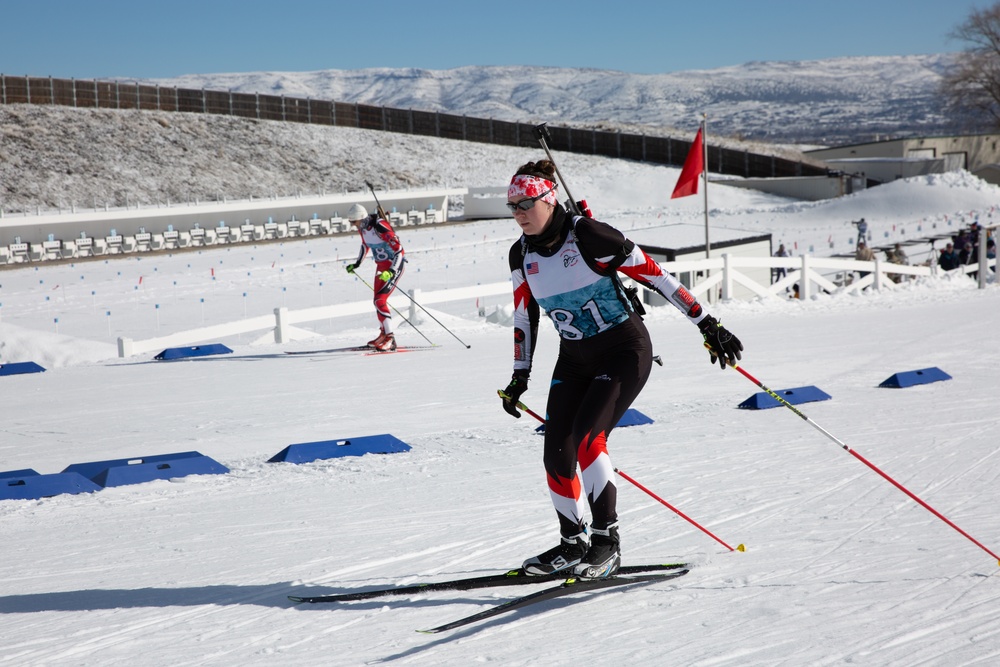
[722, 344]
[386, 275]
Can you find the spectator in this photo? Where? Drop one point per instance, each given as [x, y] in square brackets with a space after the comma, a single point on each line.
[961, 239]
[966, 255]
[864, 254]
[896, 256]
[948, 260]
[779, 271]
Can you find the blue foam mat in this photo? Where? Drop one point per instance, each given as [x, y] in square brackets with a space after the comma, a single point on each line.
[194, 351]
[306, 452]
[20, 368]
[911, 378]
[121, 472]
[25, 472]
[763, 400]
[632, 417]
[33, 487]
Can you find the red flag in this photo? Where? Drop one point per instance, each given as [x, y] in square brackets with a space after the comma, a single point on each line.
[694, 164]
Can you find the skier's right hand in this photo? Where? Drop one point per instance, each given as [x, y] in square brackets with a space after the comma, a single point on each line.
[518, 385]
[351, 267]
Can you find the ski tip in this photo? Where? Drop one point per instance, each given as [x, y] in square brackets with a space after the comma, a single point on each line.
[741, 548]
[296, 599]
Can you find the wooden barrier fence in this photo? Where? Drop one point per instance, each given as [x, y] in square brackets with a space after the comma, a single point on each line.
[639, 147]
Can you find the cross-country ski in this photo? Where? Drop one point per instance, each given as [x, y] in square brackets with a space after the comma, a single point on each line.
[569, 587]
[515, 577]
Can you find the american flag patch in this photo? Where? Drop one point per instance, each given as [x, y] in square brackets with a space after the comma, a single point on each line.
[532, 268]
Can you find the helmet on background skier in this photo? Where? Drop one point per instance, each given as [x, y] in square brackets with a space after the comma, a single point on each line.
[357, 212]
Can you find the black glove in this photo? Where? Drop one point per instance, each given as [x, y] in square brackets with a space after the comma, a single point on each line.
[351, 267]
[518, 385]
[723, 345]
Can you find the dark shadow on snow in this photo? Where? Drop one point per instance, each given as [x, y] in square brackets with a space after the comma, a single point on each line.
[270, 595]
[265, 595]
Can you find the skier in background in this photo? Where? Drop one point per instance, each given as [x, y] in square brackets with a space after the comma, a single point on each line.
[569, 266]
[378, 236]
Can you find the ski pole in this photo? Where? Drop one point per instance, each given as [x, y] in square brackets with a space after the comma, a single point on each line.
[640, 486]
[859, 457]
[365, 282]
[467, 346]
[521, 405]
[678, 512]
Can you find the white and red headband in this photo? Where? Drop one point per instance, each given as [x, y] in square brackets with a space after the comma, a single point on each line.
[524, 185]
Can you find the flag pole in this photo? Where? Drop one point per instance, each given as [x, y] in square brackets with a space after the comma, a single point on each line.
[704, 175]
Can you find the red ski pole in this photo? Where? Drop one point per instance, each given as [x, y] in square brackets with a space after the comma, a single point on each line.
[521, 406]
[868, 463]
[679, 513]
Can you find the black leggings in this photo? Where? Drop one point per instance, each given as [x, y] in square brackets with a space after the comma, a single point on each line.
[594, 382]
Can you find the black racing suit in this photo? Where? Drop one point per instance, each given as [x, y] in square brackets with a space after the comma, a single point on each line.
[605, 353]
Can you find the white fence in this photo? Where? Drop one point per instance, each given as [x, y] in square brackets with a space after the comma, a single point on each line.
[811, 274]
[706, 277]
[283, 321]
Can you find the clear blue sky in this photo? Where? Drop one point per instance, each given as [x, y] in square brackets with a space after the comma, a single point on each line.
[88, 39]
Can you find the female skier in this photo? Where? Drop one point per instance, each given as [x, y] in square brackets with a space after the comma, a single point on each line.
[378, 236]
[568, 265]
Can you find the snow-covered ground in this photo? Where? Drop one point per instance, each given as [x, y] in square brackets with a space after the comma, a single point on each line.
[839, 567]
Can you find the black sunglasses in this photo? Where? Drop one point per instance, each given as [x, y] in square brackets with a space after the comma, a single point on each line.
[527, 204]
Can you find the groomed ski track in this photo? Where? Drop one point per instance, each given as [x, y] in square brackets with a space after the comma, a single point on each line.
[839, 565]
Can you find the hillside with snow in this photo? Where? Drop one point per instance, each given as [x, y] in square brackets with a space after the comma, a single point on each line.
[825, 102]
[65, 158]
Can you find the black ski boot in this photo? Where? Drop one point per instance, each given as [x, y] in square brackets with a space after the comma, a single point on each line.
[564, 556]
[604, 556]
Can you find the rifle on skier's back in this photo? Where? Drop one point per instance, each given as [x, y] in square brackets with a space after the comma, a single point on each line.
[579, 207]
[378, 206]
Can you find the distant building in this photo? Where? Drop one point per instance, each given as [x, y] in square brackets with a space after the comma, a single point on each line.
[886, 161]
[989, 173]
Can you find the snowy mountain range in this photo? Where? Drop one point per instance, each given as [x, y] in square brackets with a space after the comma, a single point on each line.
[824, 102]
